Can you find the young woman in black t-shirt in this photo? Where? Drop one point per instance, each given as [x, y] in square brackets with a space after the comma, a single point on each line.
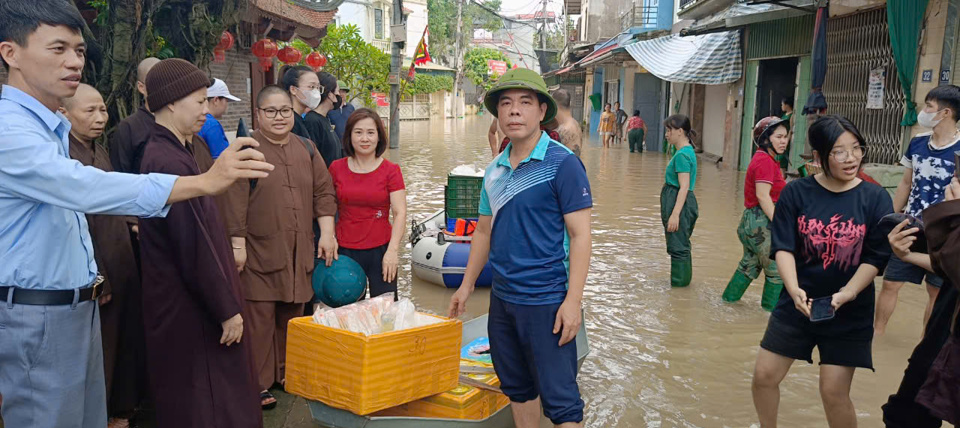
[826, 243]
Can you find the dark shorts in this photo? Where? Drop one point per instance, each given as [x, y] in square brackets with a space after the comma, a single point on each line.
[528, 361]
[901, 271]
[796, 339]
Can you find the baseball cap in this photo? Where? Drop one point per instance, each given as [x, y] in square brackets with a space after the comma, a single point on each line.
[219, 89]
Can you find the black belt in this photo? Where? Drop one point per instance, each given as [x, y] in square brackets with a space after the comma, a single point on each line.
[28, 296]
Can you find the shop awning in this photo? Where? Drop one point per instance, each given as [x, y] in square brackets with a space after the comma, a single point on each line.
[597, 55]
[742, 14]
[709, 59]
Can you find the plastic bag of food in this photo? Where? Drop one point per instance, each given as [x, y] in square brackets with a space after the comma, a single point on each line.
[327, 317]
[404, 313]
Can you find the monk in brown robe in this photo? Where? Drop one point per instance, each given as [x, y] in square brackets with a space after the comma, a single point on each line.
[127, 141]
[200, 371]
[121, 322]
[270, 228]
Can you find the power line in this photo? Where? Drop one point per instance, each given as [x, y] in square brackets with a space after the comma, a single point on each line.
[497, 14]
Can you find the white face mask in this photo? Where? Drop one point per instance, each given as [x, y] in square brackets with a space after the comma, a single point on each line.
[925, 119]
[312, 98]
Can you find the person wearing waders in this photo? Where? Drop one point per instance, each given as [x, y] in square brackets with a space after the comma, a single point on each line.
[678, 205]
[760, 192]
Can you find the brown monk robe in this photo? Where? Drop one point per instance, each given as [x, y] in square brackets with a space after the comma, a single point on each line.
[191, 295]
[121, 321]
[273, 224]
[941, 394]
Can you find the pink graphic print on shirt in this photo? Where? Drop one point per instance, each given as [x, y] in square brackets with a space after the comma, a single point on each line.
[839, 242]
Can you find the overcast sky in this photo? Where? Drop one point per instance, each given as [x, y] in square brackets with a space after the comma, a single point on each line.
[517, 7]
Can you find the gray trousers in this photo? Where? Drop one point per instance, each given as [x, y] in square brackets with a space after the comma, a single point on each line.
[51, 366]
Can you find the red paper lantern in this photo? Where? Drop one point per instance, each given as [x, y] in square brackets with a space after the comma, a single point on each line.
[289, 55]
[219, 55]
[226, 42]
[264, 49]
[316, 60]
[265, 64]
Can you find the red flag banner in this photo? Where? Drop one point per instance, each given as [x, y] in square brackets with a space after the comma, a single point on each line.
[422, 55]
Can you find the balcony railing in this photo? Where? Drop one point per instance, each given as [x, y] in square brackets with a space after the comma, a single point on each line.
[685, 3]
[639, 15]
[383, 45]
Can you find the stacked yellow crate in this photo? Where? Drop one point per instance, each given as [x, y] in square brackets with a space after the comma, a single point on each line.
[462, 402]
[364, 374]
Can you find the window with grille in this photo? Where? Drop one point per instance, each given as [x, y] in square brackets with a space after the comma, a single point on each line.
[378, 23]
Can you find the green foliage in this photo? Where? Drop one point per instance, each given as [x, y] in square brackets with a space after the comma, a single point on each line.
[442, 24]
[555, 39]
[103, 11]
[476, 68]
[303, 47]
[427, 84]
[360, 65]
[159, 48]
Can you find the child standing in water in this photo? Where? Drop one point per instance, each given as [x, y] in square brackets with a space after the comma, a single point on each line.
[761, 191]
[678, 205]
[827, 245]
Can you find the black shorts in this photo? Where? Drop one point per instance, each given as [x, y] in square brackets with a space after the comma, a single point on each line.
[796, 338]
[901, 271]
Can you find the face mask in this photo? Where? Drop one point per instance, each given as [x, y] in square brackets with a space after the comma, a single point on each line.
[926, 120]
[312, 98]
[338, 102]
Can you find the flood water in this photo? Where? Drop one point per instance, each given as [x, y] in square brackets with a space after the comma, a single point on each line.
[660, 357]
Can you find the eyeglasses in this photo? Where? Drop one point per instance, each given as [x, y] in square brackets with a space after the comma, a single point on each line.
[271, 113]
[857, 152]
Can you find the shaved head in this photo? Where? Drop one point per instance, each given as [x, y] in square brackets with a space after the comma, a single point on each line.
[86, 94]
[144, 68]
[86, 112]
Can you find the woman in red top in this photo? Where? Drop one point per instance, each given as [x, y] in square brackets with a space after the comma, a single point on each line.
[369, 188]
[761, 191]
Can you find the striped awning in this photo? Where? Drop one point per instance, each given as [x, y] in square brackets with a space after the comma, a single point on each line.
[709, 59]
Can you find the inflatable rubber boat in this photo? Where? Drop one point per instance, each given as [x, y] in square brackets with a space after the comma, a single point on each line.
[440, 258]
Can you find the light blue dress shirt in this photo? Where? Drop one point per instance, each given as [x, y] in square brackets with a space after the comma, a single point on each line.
[44, 240]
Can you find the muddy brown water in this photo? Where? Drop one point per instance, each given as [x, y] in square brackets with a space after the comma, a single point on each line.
[660, 357]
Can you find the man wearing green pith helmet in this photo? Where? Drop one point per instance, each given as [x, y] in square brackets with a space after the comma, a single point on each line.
[534, 228]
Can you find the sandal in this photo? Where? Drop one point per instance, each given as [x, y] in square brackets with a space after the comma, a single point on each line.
[267, 400]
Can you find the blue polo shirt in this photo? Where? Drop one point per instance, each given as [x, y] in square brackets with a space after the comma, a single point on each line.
[213, 133]
[529, 244]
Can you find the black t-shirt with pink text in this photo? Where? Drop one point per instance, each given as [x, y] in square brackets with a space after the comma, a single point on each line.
[831, 235]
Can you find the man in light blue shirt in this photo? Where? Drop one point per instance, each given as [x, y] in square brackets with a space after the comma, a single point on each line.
[51, 360]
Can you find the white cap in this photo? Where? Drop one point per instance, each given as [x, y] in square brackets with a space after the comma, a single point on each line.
[219, 89]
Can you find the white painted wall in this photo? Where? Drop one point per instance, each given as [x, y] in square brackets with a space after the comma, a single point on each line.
[360, 13]
[714, 117]
[416, 23]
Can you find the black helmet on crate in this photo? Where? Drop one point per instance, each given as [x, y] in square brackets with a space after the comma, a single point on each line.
[763, 129]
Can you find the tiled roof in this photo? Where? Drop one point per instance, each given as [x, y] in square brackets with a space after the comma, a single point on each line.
[294, 13]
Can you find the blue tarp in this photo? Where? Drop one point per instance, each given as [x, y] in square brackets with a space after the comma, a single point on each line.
[709, 59]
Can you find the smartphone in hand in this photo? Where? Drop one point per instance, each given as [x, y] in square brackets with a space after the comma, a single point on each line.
[822, 309]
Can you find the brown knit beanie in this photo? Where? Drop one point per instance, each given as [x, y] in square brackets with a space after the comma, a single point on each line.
[173, 79]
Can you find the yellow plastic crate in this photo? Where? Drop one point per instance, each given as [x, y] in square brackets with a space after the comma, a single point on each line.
[364, 374]
[495, 401]
[462, 402]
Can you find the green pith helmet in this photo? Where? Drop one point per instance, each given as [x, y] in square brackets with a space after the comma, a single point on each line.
[520, 78]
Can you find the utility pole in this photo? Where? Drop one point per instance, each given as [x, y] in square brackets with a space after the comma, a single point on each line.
[396, 61]
[458, 61]
[543, 29]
